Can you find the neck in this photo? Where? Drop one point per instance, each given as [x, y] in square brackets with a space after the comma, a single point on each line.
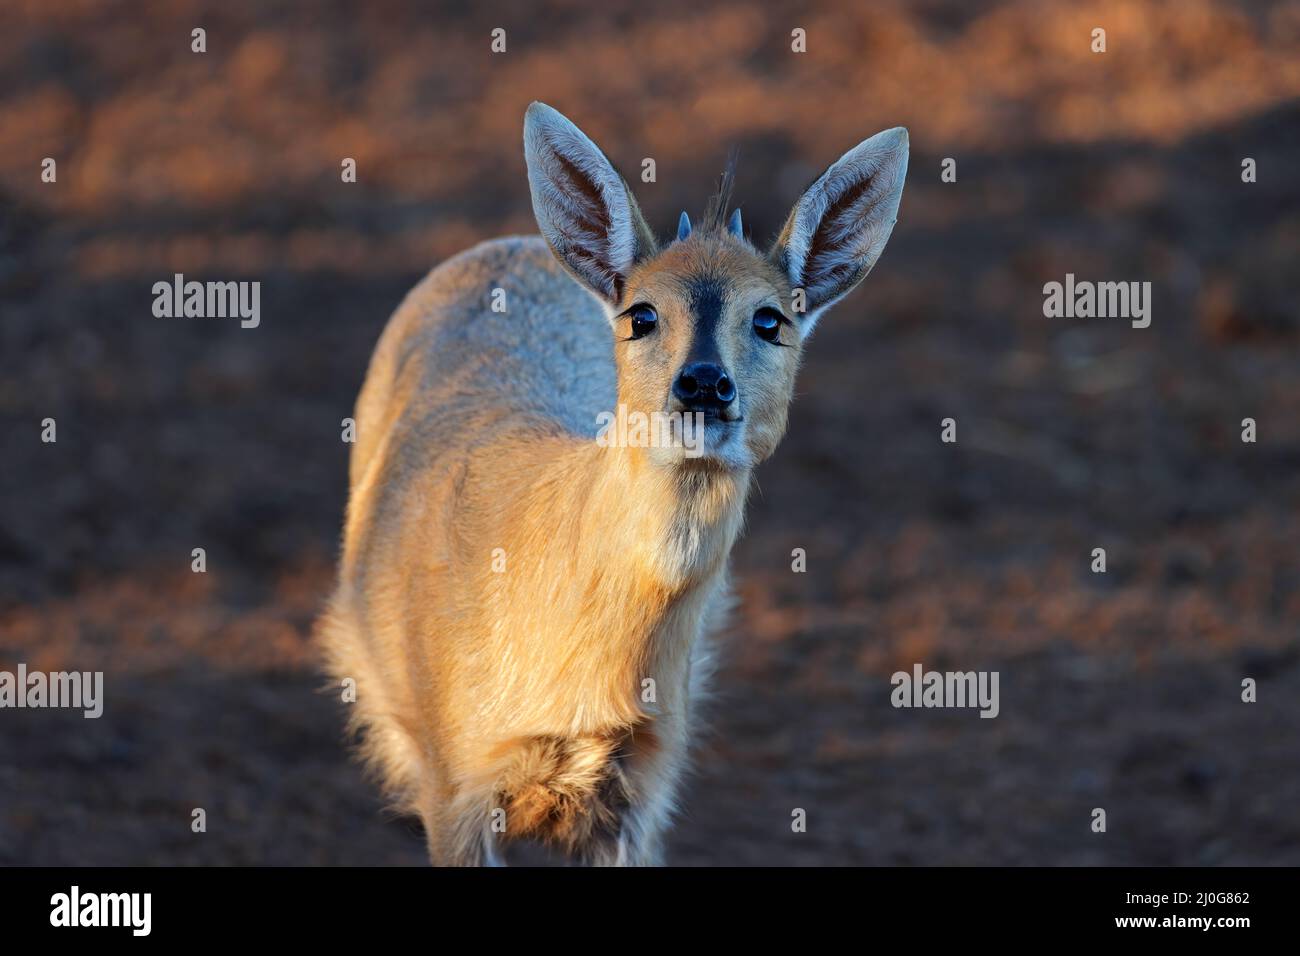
[616, 560]
[666, 533]
[676, 522]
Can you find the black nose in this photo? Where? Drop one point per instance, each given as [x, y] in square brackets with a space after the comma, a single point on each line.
[704, 385]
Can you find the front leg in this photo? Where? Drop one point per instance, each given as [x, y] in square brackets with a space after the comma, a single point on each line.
[457, 830]
[639, 841]
[652, 766]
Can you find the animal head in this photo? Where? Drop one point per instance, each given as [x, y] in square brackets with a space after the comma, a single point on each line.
[709, 325]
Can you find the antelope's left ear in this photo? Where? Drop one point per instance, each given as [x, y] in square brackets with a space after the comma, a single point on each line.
[840, 225]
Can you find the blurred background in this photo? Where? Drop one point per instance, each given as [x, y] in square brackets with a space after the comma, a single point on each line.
[1119, 691]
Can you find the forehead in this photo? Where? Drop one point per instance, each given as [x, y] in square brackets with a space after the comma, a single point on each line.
[705, 274]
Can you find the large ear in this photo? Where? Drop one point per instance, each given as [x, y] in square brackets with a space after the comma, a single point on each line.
[585, 210]
[840, 225]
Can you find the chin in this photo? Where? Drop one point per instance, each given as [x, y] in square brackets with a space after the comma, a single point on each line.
[723, 449]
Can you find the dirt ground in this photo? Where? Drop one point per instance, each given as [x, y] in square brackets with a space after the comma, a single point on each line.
[1119, 690]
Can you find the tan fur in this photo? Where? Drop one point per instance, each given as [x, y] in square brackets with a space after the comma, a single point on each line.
[517, 695]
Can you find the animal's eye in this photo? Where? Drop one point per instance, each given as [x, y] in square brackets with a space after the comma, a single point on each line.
[643, 320]
[767, 323]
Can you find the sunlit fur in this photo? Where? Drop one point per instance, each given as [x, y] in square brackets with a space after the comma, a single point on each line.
[508, 585]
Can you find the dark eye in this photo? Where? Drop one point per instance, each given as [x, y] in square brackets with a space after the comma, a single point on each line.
[767, 323]
[643, 320]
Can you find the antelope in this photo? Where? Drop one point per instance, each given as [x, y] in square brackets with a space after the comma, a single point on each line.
[527, 612]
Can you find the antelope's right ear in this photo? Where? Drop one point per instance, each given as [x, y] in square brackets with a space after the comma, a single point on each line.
[586, 213]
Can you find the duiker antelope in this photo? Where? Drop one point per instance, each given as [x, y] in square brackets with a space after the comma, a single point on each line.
[525, 609]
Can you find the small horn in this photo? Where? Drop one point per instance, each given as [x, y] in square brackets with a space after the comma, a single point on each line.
[683, 226]
[734, 225]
